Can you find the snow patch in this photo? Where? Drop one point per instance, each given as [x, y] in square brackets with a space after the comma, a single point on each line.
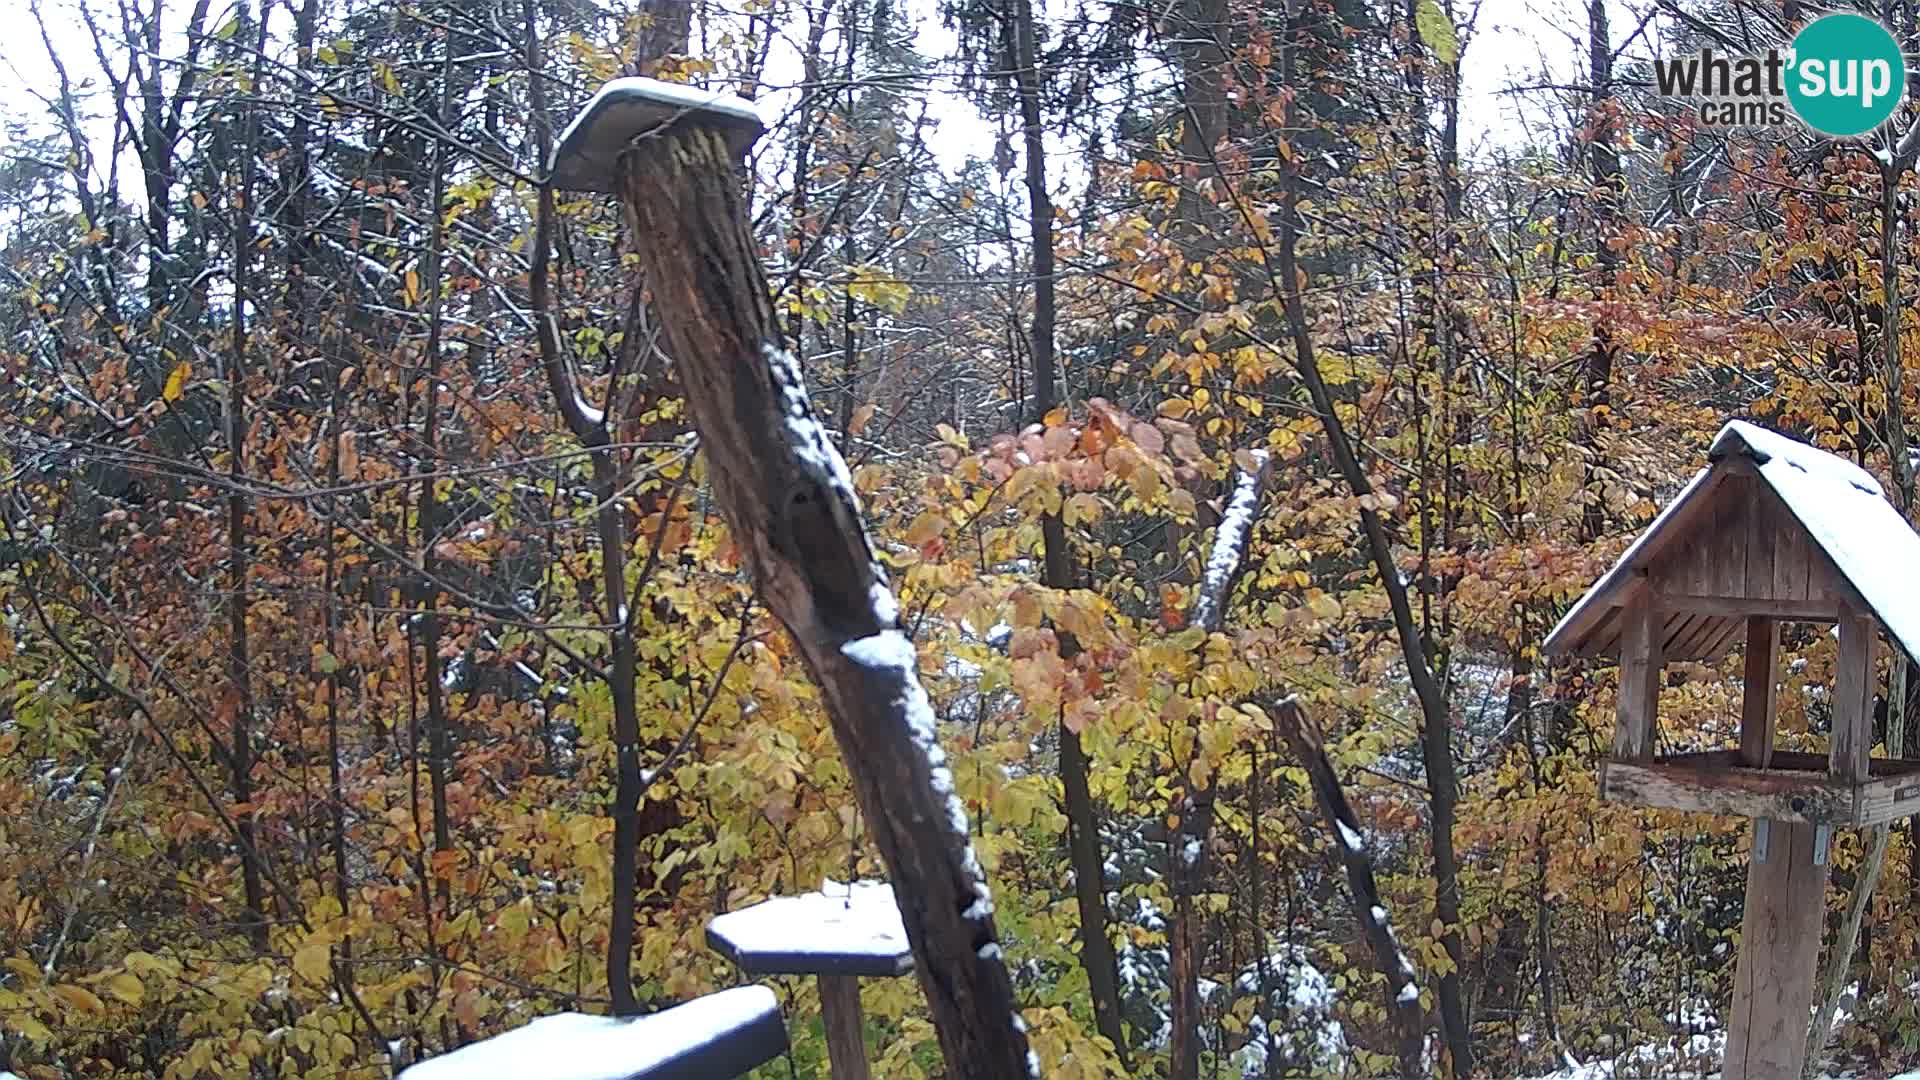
[1229, 543]
[860, 918]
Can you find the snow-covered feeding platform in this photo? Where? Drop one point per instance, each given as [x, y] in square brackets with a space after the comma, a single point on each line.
[709, 1038]
[632, 108]
[840, 930]
[1772, 531]
[839, 934]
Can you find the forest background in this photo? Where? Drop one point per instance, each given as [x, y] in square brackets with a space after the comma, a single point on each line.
[328, 604]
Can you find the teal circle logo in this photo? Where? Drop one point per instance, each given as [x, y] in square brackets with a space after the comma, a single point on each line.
[1846, 75]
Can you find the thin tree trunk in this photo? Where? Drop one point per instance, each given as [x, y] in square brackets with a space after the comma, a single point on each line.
[1083, 827]
[1833, 979]
[1193, 807]
[439, 738]
[594, 430]
[1403, 995]
[239, 663]
[1597, 374]
[1436, 749]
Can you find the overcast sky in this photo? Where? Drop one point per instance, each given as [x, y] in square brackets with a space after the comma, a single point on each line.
[1513, 43]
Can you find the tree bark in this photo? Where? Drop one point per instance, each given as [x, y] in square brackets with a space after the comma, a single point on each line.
[1436, 747]
[786, 494]
[1403, 995]
[1083, 828]
[1188, 840]
[239, 663]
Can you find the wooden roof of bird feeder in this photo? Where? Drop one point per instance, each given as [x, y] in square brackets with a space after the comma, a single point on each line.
[720, 1035]
[624, 110]
[1772, 530]
[841, 933]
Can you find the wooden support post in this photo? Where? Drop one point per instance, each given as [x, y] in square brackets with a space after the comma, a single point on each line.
[1779, 946]
[1757, 704]
[1640, 664]
[840, 1012]
[1853, 683]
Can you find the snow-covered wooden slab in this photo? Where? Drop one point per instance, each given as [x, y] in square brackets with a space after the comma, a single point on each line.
[840, 930]
[626, 109]
[710, 1038]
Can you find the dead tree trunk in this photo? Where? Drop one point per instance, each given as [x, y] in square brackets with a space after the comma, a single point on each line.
[786, 494]
[1188, 841]
[1403, 994]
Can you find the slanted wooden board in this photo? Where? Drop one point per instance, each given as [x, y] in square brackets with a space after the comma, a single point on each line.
[1796, 788]
[709, 1038]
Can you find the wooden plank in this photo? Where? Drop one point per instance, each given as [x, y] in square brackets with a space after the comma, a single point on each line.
[1724, 789]
[1853, 686]
[1790, 561]
[1780, 934]
[1701, 637]
[840, 1015]
[1820, 609]
[1757, 699]
[1726, 550]
[1676, 630]
[1637, 709]
[1762, 534]
[1890, 798]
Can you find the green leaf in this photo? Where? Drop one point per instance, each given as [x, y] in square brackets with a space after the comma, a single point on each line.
[1437, 31]
[231, 28]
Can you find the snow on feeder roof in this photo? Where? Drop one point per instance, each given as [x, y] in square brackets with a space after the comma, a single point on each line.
[1819, 533]
[840, 930]
[719, 1035]
[632, 108]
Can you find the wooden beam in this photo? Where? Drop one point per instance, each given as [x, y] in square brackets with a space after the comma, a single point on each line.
[1716, 785]
[1780, 934]
[1640, 663]
[1819, 609]
[1757, 701]
[1853, 684]
[846, 1028]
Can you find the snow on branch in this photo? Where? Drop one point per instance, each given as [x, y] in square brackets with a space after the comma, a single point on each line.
[1230, 542]
[1403, 991]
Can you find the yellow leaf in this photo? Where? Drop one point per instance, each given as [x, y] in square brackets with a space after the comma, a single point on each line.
[313, 962]
[79, 997]
[127, 988]
[176, 381]
[412, 289]
[926, 528]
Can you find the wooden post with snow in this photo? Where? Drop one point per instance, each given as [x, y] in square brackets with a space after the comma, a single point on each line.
[1773, 531]
[672, 154]
[839, 935]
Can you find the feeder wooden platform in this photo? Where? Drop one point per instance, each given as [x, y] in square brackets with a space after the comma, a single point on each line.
[1794, 787]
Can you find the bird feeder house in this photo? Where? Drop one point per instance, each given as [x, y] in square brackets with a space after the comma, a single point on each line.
[1772, 531]
[840, 935]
